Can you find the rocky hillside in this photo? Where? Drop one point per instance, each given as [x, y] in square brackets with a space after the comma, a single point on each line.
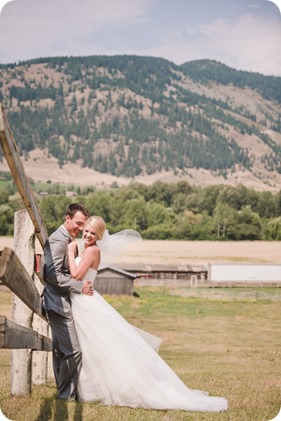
[124, 117]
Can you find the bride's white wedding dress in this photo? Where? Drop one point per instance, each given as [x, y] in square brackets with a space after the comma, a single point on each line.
[120, 365]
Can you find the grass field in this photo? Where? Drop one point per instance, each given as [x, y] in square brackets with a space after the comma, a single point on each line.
[229, 347]
[191, 252]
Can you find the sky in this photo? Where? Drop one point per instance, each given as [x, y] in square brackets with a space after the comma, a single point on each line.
[243, 34]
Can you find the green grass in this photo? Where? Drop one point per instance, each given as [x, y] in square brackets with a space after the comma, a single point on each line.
[229, 347]
[4, 183]
[5, 179]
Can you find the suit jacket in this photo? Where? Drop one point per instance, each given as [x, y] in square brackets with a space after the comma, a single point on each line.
[58, 281]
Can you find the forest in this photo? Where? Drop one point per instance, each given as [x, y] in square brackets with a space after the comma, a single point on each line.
[162, 211]
[130, 115]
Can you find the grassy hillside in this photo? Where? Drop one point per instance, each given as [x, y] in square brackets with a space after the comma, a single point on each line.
[131, 116]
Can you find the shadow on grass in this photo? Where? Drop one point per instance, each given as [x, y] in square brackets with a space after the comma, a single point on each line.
[57, 410]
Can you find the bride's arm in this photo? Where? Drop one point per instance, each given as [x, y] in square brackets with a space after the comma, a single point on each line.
[90, 256]
[72, 252]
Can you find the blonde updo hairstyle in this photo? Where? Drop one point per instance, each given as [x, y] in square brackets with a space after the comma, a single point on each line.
[98, 225]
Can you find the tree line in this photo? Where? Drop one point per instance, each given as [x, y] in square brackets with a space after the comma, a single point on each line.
[161, 211]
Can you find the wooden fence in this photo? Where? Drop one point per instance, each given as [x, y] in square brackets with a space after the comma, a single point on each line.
[28, 333]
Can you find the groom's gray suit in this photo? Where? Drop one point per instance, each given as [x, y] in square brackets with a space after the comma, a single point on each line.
[56, 302]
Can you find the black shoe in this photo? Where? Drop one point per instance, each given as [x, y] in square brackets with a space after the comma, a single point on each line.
[70, 398]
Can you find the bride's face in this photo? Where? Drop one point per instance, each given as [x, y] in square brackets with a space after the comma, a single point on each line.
[89, 235]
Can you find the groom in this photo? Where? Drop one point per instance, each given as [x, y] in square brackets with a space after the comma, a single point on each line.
[67, 356]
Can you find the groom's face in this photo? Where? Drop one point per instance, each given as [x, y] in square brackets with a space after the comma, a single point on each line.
[75, 225]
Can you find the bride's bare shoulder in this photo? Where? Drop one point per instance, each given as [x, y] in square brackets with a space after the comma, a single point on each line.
[92, 251]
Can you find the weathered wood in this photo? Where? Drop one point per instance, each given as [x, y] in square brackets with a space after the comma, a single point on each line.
[16, 167]
[14, 275]
[40, 359]
[17, 271]
[39, 266]
[14, 336]
[21, 359]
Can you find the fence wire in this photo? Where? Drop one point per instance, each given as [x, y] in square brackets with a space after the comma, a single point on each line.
[229, 293]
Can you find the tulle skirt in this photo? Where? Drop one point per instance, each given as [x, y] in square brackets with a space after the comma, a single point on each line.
[121, 366]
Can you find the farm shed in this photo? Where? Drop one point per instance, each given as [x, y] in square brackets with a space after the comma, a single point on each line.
[114, 281]
[176, 274]
[244, 274]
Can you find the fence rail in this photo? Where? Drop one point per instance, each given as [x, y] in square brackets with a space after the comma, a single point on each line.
[15, 336]
[21, 180]
[14, 275]
[17, 272]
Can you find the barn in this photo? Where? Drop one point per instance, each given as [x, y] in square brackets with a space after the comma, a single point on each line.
[169, 275]
[114, 281]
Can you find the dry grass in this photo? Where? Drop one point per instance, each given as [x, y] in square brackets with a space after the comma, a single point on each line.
[42, 168]
[193, 252]
[202, 252]
[230, 348]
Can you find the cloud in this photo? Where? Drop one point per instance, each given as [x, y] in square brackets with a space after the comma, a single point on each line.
[40, 28]
[65, 27]
[249, 43]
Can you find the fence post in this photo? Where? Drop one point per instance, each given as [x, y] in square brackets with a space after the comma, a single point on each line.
[193, 281]
[24, 243]
[40, 359]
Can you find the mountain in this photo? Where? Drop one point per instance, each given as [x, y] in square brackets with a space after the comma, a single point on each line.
[124, 117]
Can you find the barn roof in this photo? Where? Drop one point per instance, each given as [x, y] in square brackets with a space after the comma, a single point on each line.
[117, 269]
[143, 267]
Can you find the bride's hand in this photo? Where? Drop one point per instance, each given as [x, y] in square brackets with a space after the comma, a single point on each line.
[88, 288]
[72, 247]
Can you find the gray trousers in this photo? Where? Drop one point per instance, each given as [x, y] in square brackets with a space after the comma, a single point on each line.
[67, 356]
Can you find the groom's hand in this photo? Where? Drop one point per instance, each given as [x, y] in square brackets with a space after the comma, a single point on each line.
[88, 288]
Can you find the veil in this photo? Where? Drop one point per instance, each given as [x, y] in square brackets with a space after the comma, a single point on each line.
[114, 245]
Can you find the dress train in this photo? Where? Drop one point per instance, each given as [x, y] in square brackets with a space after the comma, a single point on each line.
[121, 366]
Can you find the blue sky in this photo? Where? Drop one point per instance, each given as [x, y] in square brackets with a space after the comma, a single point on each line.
[243, 34]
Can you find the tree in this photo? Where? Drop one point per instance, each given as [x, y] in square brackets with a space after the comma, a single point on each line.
[185, 224]
[6, 220]
[203, 227]
[247, 226]
[53, 210]
[274, 228]
[135, 215]
[100, 203]
[223, 218]
[157, 214]
[159, 232]
[236, 197]
[4, 196]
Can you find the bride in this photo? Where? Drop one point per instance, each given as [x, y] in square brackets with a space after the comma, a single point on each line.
[121, 365]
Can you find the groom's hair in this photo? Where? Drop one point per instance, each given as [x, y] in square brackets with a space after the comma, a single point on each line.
[76, 207]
